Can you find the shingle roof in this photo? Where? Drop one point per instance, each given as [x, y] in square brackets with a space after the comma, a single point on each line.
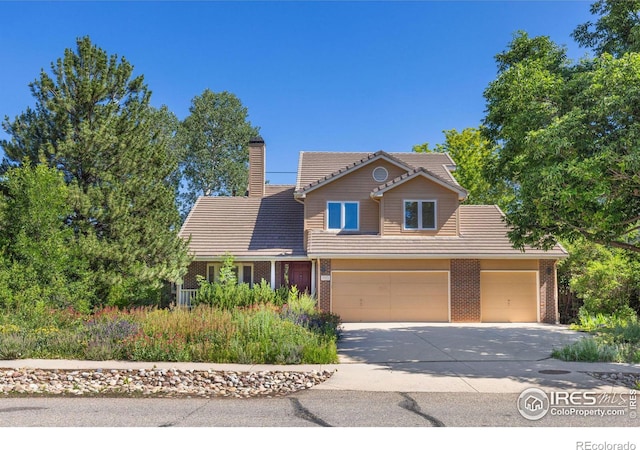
[317, 167]
[482, 235]
[242, 226]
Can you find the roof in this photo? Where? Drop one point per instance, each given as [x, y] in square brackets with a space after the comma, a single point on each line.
[317, 168]
[271, 226]
[483, 235]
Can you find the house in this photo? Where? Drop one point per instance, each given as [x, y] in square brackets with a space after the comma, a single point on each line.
[376, 237]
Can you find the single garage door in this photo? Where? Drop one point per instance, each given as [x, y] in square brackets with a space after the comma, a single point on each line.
[379, 296]
[509, 296]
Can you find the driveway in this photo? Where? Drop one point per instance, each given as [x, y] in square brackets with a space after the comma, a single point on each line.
[431, 342]
[445, 357]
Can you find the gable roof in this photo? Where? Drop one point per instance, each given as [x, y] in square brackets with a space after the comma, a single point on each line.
[420, 171]
[272, 226]
[315, 169]
[483, 235]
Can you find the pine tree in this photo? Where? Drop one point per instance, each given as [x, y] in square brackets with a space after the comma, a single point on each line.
[93, 121]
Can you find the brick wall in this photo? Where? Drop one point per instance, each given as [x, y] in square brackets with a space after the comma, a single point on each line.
[195, 268]
[548, 291]
[261, 271]
[324, 288]
[465, 290]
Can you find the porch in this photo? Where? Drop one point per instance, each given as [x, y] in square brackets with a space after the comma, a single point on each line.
[277, 272]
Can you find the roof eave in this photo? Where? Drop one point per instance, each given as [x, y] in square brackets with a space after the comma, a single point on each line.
[529, 256]
[462, 193]
[251, 258]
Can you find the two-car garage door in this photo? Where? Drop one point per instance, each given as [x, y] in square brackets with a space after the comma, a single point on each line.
[388, 296]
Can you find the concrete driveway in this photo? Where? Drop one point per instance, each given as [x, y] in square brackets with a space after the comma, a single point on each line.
[431, 342]
[433, 357]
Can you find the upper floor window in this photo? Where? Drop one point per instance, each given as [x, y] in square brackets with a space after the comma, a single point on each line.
[243, 272]
[420, 215]
[342, 215]
[380, 174]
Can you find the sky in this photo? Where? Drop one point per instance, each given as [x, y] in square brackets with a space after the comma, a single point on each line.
[314, 76]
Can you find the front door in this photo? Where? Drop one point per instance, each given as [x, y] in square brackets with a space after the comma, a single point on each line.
[297, 274]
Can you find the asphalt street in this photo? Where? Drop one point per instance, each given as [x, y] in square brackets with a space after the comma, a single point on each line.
[313, 408]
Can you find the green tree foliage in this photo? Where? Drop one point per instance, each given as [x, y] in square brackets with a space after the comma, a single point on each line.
[93, 121]
[607, 279]
[41, 262]
[617, 31]
[568, 136]
[473, 155]
[215, 144]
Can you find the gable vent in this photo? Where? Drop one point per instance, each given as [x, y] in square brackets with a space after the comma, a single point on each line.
[380, 174]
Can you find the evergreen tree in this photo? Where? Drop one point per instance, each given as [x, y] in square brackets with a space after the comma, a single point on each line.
[215, 141]
[93, 122]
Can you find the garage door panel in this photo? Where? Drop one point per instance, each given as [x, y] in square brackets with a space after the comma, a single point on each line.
[508, 296]
[356, 289]
[372, 315]
[390, 296]
[365, 301]
[418, 315]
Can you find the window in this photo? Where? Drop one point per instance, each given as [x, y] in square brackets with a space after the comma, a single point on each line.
[342, 215]
[244, 272]
[380, 174]
[419, 215]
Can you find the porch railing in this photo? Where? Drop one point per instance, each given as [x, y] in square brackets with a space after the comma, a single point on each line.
[185, 296]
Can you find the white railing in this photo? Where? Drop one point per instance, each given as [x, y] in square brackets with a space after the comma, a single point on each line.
[185, 296]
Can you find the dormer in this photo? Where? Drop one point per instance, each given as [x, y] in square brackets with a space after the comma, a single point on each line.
[357, 193]
[419, 203]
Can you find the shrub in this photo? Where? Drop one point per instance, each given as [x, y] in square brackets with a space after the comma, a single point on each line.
[588, 349]
[615, 339]
[14, 346]
[256, 330]
[607, 279]
[593, 322]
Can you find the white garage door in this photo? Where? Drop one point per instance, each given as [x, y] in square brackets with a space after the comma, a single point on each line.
[382, 296]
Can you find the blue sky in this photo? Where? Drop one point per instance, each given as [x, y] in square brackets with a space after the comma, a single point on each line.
[332, 76]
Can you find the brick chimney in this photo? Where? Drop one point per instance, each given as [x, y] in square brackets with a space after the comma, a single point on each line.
[257, 163]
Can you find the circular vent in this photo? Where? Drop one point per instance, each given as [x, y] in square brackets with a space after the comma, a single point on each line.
[380, 174]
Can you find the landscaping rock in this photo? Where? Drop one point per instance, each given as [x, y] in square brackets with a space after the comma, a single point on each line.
[153, 382]
[628, 379]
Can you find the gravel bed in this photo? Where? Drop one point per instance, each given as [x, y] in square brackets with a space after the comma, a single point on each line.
[628, 379]
[156, 382]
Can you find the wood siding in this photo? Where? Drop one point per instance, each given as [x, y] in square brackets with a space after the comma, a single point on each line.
[390, 264]
[420, 189]
[356, 186]
[508, 264]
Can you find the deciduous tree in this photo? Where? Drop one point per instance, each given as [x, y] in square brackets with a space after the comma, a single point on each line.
[41, 260]
[569, 136]
[473, 154]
